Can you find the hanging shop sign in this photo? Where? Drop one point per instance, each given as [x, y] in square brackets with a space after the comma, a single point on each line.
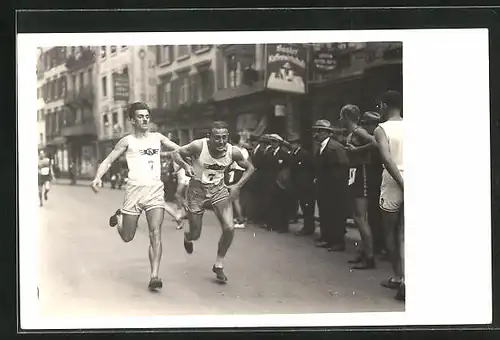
[286, 67]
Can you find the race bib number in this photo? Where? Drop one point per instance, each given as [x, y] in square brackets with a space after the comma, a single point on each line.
[151, 165]
[211, 177]
[352, 175]
[231, 176]
[44, 171]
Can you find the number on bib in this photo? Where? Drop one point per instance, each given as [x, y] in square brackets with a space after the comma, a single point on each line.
[211, 177]
[44, 171]
[231, 176]
[352, 175]
[151, 164]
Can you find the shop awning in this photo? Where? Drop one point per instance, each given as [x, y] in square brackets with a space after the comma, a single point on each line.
[57, 141]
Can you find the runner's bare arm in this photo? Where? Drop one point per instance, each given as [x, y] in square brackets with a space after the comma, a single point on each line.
[191, 150]
[245, 164]
[119, 149]
[171, 146]
[383, 146]
[372, 142]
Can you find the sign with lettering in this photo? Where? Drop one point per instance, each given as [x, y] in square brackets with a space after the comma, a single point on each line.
[323, 58]
[286, 67]
[121, 86]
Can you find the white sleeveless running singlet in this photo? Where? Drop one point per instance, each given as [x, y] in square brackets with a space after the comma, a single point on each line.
[209, 170]
[143, 159]
[395, 135]
[44, 166]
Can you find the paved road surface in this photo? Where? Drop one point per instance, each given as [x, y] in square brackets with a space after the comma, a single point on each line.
[85, 268]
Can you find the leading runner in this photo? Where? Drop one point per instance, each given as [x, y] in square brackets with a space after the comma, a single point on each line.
[210, 159]
[144, 190]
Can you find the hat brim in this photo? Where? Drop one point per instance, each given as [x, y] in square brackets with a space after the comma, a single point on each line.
[316, 127]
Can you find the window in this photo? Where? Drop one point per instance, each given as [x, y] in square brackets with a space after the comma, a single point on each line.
[104, 86]
[103, 51]
[82, 80]
[73, 82]
[232, 71]
[115, 118]
[167, 95]
[165, 54]
[113, 49]
[182, 51]
[38, 93]
[73, 50]
[124, 47]
[89, 76]
[41, 137]
[184, 89]
[206, 84]
[105, 120]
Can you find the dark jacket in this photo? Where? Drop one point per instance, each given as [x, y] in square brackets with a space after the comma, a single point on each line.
[332, 166]
[302, 169]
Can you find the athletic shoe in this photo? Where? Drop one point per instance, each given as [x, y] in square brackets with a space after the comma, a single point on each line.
[155, 283]
[188, 245]
[239, 226]
[219, 273]
[113, 220]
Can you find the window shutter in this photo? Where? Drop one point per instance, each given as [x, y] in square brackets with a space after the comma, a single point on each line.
[171, 55]
[160, 95]
[158, 55]
[175, 93]
[210, 84]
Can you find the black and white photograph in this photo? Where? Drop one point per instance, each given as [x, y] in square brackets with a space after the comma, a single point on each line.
[252, 179]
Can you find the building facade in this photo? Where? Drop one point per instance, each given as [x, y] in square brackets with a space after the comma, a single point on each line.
[125, 74]
[186, 86]
[40, 103]
[79, 123]
[53, 92]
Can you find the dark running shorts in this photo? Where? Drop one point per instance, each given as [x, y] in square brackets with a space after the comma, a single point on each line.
[42, 179]
[358, 181]
[199, 195]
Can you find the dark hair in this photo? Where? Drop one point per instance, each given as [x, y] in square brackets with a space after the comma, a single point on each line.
[219, 124]
[350, 112]
[392, 99]
[136, 107]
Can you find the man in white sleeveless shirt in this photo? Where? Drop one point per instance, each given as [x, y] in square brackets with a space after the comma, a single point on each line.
[45, 175]
[210, 159]
[389, 136]
[144, 190]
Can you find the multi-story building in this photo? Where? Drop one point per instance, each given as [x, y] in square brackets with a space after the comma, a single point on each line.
[186, 86]
[79, 123]
[125, 75]
[357, 72]
[40, 104]
[53, 92]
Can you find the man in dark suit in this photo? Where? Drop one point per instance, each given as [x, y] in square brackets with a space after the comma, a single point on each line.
[302, 176]
[256, 183]
[332, 174]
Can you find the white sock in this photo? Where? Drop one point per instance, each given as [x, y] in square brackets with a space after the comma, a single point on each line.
[219, 262]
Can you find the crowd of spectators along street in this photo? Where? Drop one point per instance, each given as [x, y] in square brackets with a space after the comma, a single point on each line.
[341, 176]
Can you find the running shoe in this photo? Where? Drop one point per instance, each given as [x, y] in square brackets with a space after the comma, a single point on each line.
[188, 245]
[113, 220]
[155, 283]
[219, 273]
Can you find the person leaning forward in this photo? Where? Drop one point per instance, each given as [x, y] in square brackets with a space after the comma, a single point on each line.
[331, 178]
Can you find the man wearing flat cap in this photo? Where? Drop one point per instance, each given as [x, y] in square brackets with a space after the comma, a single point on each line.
[302, 175]
[332, 173]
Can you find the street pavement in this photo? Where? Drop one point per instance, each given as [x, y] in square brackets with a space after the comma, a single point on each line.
[86, 269]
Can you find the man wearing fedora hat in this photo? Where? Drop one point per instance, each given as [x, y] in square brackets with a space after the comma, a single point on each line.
[332, 172]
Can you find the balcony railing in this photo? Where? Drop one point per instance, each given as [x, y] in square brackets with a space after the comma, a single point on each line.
[82, 98]
[84, 59]
[86, 128]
